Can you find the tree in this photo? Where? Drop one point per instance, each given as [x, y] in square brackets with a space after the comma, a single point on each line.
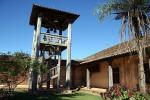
[13, 67]
[135, 17]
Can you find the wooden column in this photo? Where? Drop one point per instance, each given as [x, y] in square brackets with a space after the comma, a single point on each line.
[88, 78]
[35, 51]
[58, 70]
[33, 43]
[68, 64]
[37, 42]
[110, 75]
[32, 56]
[48, 65]
[40, 76]
[149, 63]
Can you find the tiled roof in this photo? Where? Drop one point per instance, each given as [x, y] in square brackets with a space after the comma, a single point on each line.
[52, 18]
[122, 48]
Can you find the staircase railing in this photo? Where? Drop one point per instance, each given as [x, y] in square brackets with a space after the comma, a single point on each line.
[53, 74]
[53, 71]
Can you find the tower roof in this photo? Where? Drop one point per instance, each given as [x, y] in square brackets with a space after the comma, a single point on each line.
[52, 18]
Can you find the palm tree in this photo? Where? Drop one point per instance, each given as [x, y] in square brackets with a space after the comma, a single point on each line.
[135, 17]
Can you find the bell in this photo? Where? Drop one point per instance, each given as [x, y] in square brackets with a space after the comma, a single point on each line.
[44, 38]
[51, 29]
[48, 31]
[55, 31]
[60, 32]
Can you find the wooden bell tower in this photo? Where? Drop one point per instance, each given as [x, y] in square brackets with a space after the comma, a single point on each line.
[48, 46]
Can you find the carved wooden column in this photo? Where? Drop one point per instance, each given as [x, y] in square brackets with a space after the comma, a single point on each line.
[87, 78]
[35, 51]
[68, 64]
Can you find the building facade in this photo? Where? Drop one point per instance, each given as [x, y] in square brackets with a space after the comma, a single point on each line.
[115, 65]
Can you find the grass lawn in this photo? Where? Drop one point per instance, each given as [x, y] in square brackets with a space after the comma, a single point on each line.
[73, 96]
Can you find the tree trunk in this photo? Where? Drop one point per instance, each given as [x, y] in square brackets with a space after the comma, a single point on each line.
[141, 72]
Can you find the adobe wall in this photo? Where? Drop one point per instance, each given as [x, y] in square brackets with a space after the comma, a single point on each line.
[100, 78]
[78, 76]
[127, 69]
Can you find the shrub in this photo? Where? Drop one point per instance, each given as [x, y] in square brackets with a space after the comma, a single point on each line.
[118, 92]
[13, 69]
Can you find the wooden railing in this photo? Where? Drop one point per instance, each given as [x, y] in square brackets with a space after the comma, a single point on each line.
[53, 73]
[53, 39]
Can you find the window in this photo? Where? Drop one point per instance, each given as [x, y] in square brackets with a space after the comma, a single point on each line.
[147, 73]
[116, 76]
[94, 68]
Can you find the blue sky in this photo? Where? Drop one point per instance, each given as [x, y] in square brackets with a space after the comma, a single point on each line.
[89, 35]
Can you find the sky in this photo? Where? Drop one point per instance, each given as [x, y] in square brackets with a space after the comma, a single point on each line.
[89, 35]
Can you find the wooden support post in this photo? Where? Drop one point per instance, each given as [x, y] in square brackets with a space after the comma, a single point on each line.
[48, 65]
[37, 42]
[149, 63]
[40, 76]
[110, 75]
[33, 43]
[58, 70]
[30, 76]
[35, 52]
[68, 64]
[88, 78]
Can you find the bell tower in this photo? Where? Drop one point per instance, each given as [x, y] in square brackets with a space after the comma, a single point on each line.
[47, 46]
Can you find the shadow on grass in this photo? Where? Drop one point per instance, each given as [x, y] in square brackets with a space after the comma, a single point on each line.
[48, 96]
[28, 96]
[71, 96]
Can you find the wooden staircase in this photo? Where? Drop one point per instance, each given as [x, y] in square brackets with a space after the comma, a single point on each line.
[53, 74]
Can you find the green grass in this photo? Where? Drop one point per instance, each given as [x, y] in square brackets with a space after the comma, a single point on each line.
[73, 96]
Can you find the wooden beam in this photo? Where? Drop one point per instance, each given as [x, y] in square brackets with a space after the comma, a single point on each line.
[88, 78]
[110, 75]
[68, 64]
[35, 51]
